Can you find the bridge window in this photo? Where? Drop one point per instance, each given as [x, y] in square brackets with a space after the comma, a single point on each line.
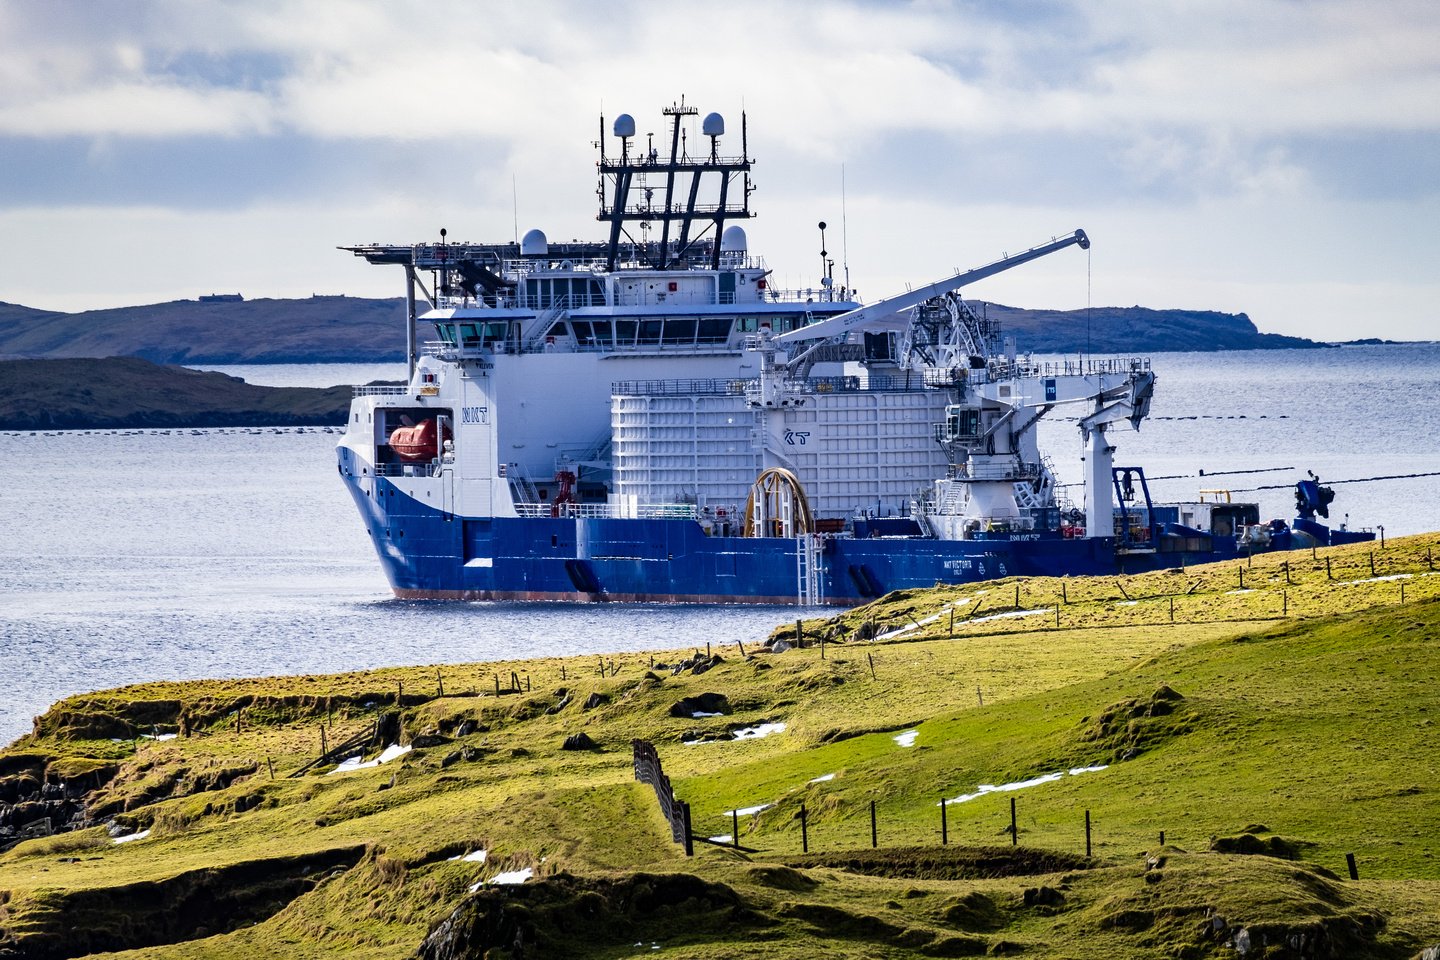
[714, 329]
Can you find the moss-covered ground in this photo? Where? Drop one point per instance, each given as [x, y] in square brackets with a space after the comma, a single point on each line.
[1268, 731]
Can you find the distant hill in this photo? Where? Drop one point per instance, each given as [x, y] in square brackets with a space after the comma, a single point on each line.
[333, 329]
[1133, 330]
[88, 393]
[356, 330]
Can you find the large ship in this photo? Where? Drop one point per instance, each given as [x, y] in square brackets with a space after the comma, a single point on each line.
[650, 417]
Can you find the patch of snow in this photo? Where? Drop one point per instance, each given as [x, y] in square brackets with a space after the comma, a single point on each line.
[749, 811]
[1231, 593]
[758, 731]
[1127, 603]
[386, 755]
[133, 836]
[906, 739]
[511, 877]
[474, 856]
[988, 788]
[722, 838]
[701, 713]
[985, 788]
[823, 779]
[163, 736]
[1393, 576]
[1012, 613]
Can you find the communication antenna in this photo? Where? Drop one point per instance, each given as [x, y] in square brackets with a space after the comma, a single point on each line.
[515, 208]
[844, 231]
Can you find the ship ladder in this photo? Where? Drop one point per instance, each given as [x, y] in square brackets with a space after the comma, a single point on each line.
[809, 571]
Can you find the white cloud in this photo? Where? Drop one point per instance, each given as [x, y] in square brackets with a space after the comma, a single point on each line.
[1095, 113]
[139, 110]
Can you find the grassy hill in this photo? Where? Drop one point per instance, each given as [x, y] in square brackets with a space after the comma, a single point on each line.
[1136, 329]
[1268, 731]
[130, 392]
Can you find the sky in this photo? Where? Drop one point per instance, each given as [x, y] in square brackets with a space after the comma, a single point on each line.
[1276, 158]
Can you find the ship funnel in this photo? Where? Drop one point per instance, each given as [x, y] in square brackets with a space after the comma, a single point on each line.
[624, 126]
[713, 125]
[534, 244]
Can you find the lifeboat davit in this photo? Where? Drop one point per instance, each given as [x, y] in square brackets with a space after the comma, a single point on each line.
[418, 442]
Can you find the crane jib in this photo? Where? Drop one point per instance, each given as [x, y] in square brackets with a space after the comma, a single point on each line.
[862, 318]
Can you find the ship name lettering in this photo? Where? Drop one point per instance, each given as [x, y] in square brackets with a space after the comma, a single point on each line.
[475, 415]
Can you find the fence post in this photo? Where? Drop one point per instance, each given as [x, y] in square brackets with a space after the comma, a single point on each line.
[1162, 838]
[874, 836]
[804, 831]
[1350, 862]
[1087, 833]
[689, 837]
[1014, 831]
[324, 748]
[735, 828]
[944, 827]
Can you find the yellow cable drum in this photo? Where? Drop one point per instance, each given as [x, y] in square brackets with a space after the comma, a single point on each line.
[777, 506]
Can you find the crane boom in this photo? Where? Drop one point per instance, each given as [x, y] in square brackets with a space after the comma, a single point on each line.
[863, 318]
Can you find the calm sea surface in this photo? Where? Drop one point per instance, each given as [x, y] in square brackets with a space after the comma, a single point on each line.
[131, 556]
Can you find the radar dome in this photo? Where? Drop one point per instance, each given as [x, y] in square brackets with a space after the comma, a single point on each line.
[714, 125]
[624, 125]
[534, 244]
[733, 240]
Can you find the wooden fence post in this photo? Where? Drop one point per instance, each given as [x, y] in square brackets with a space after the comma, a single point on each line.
[874, 835]
[1087, 833]
[944, 826]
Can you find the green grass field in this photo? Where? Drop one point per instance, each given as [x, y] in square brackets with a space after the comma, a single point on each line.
[1268, 731]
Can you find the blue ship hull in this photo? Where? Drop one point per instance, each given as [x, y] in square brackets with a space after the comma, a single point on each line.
[428, 554]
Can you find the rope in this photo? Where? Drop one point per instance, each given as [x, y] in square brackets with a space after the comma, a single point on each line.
[1393, 476]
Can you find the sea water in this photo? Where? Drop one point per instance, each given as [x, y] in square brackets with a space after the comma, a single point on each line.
[170, 554]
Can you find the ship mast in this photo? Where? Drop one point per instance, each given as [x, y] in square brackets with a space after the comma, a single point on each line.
[627, 193]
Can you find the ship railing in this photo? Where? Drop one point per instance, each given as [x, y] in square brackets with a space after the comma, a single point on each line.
[808, 385]
[1000, 471]
[380, 390]
[607, 511]
[444, 350]
[1001, 368]
[421, 469]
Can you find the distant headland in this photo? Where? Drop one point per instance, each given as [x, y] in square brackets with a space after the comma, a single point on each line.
[129, 392]
[228, 328]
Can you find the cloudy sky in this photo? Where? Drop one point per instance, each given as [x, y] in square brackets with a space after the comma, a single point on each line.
[1276, 158]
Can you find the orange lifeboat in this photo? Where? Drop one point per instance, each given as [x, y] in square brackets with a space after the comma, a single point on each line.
[418, 442]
